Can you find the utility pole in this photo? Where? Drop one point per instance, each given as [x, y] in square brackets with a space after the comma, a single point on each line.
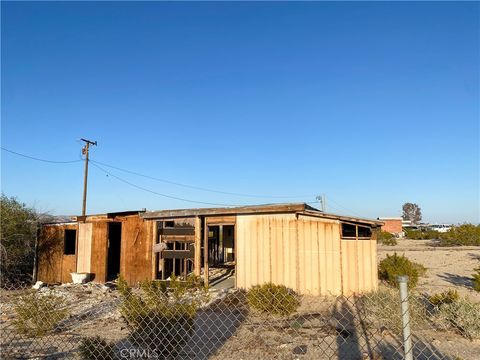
[85, 150]
[321, 199]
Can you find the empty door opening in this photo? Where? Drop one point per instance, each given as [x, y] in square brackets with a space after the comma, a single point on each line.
[221, 245]
[114, 250]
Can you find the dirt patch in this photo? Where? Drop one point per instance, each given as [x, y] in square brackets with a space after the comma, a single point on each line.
[447, 267]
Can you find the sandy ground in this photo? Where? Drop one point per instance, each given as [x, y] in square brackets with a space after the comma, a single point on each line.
[226, 329]
[447, 267]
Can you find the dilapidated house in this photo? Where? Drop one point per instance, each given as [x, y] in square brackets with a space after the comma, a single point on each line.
[296, 245]
[101, 245]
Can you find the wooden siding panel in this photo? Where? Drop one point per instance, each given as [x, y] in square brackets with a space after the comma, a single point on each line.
[50, 251]
[305, 254]
[53, 265]
[69, 265]
[258, 253]
[241, 260]
[373, 262]
[324, 271]
[136, 244]
[84, 247]
[243, 246]
[315, 258]
[98, 261]
[275, 247]
[266, 254]
[289, 253]
[221, 220]
[333, 234]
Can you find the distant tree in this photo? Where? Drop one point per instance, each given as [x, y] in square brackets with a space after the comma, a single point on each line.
[412, 212]
[17, 242]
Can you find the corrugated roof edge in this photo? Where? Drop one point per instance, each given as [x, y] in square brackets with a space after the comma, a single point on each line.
[254, 209]
[110, 214]
[248, 209]
[345, 218]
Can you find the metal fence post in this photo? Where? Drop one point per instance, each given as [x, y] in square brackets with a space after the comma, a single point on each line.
[407, 340]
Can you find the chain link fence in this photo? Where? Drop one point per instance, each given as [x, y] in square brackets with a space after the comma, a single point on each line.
[184, 320]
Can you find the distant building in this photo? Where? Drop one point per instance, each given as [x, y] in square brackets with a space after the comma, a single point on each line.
[393, 225]
[443, 228]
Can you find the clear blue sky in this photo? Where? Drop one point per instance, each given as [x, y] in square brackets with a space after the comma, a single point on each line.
[373, 104]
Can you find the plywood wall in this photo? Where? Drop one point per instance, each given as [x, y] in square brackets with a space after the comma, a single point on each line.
[136, 249]
[135, 254]
[98, 258]
[53, 265]
[92, 251]
[305, 254]
[359, 266]
[84, 248]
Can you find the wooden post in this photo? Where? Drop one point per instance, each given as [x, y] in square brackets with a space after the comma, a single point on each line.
[235, 237]
[221, 249]
[357, 274]
[161, 261]
[198, 247]
[205, 251]
[154, 254]
[173, 260]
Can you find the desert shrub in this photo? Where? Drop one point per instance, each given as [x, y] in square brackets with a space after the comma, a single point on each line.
[160, 317]
[38, 313]
[395, 265]
[466, 234]
[273, 299]
[94, 347]
[461, 315]
[17, 235]
[476, 279]
[445, 297]
[422, 234]
[382, 309]
[386, 238]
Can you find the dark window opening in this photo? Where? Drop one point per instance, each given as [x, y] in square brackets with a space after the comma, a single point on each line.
[364, 232]
[169, 224]
[70, 242]
[349, 231]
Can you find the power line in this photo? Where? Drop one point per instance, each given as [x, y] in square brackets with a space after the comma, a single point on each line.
[38, 159]
[343, 207]
[196, 187]
[154, 192]
[97, 163]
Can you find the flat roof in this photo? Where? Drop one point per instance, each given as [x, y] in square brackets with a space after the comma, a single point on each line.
[109, 215]
[301, 208]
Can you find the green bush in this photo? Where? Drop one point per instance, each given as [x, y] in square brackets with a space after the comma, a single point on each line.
[39, 314]
[462, 316]
[395, 265]
[422, 234]
[160, 314]
[94, 348]
[273, 299]
[17, 236]
[476, 279]
[445, 297]
[386, 238]
[466, 234]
